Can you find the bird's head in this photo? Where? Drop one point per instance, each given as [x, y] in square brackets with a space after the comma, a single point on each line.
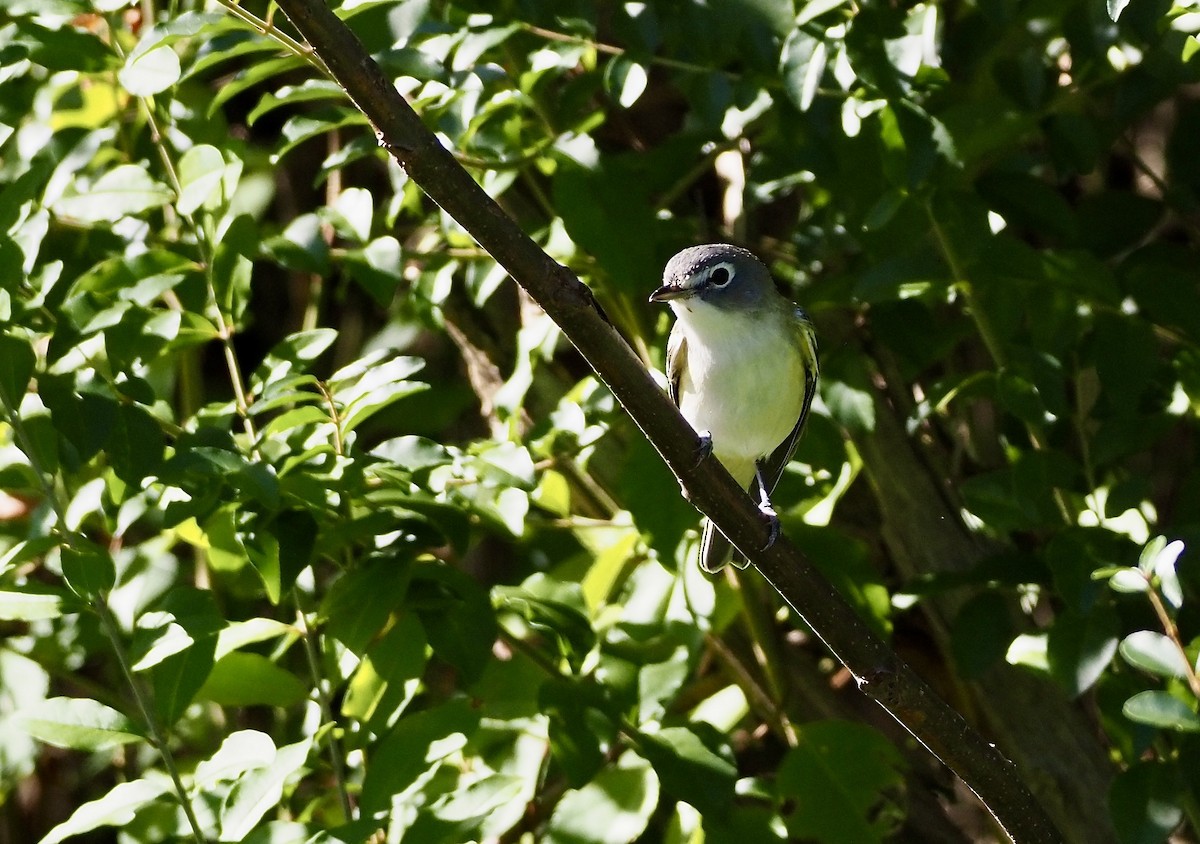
[717, 274]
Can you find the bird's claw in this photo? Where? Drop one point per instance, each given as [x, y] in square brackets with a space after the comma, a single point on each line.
[704, 449]
[773, 527]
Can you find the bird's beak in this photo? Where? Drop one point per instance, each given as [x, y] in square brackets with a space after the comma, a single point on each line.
[668, 292]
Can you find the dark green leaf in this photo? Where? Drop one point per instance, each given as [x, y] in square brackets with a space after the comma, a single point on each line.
[579, 728]
[17, 360]
[457, 616]
[388, 676]
[177, 677]
[89, 571]
[1081, 647]
[136, 445]
[689, 767]
[417, 744]
[837, 783]
[1145, 803]
[249, 679]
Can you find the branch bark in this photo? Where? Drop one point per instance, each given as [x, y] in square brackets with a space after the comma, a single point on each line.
[879, 673]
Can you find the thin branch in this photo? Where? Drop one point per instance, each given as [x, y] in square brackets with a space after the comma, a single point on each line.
[880, 674]
[156, 731]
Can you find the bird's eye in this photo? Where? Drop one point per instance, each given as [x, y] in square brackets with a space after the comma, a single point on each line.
[720, 276]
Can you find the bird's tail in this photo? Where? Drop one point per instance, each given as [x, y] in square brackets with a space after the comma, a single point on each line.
[716, 550]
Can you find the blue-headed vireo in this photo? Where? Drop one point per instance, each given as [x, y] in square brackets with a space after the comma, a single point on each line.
[742, 369]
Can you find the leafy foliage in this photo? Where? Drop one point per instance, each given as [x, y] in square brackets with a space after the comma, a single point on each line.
[313, 527]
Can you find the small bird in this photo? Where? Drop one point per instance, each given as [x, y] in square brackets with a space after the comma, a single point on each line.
[741, 368]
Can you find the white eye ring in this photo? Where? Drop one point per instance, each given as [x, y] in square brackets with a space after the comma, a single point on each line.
[720, 275]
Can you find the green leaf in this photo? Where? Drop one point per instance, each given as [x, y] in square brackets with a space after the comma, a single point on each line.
[280, 548]
[1155, 653]
[689, 769]
[117, 808]
[835, 782]
[241, 751]
[813, 9]
[376, 388]
[614, 808]
[488, 798]
[1115, 7]
[301, 246]
[80, 724]
[457, 615]
[579, 729]
[415, 746]
[90, 571]
[238, 634]
[201, 178]
[126, 190]
[17, 360]
[850, 407]
[252, 76]
[389, 675]
[1128, 580]
[1080, 648]
[1160, 709]
[1158, 559]
[982, 633]
[376, 267]
[625, 80]
[63, 48]
[554, 606]
[149, 72]
[30, 606]
[250, 679]
[353, 212]
[177, 676]
[1146, 803]
[802, 64]
[360, 602]
[310, 90]
[301, 128]
[260, 791]
[136, 445]
[294, 353]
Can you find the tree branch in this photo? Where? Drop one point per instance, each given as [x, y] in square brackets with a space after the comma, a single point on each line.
[880, 674]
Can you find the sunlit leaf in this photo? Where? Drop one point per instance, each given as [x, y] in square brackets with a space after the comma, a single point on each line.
[79, 723]
[122, 191]
[116, 808]
[613, 808]
[1154, 652]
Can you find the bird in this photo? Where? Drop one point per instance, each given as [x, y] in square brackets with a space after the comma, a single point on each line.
[742, 369]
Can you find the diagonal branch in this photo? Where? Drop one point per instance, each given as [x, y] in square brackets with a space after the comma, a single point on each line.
[880, 674]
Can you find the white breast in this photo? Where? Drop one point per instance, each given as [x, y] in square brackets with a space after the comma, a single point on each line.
[743, 382]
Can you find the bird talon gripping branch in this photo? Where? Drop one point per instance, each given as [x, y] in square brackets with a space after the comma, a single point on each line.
[705, 449]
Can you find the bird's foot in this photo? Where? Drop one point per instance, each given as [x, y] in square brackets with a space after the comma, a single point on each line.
[769, 516]
[704, 449]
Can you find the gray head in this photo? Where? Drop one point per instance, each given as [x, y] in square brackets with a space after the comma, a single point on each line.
[717, 273]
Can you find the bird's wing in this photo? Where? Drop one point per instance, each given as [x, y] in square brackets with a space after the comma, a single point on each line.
[715, 549]
[773, 466]
[676, 360]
